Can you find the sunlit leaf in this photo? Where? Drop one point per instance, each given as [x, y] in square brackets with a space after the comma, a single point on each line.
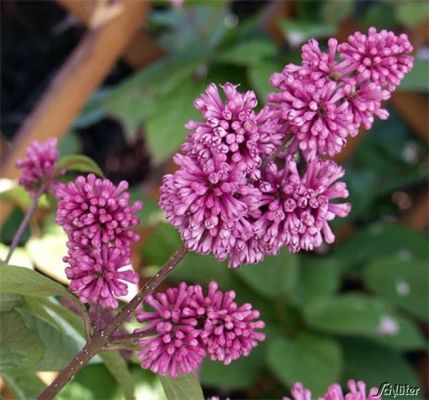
[118, 367]
[25, 384]
[47, 253]
[185, 386]
[19, 257]
[79, 163]
[15, 280]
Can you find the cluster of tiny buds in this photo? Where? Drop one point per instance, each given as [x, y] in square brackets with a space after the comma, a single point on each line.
[185, 325]
[239, 192]
[97, 217]
[38, 166]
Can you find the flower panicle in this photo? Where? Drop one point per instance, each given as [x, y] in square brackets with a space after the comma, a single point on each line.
[186, 325]
[98, 219]
[38, 166]
[251, 182]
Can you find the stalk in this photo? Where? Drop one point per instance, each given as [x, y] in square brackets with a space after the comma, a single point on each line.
[24, 223]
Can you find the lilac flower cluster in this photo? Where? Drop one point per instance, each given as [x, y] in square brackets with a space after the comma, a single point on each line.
[186, 325]
[251, 182]
[357, 391]
[98, 216]
[38, 166]
[324, 101]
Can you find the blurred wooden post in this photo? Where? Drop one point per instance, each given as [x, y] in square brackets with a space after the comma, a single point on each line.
[417, 217]
[141, 50]
[413, 109]
[273, 14]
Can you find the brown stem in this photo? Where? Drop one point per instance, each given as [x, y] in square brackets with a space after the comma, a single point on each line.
[101, 337]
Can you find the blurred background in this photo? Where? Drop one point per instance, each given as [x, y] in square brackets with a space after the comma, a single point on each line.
[116, 80]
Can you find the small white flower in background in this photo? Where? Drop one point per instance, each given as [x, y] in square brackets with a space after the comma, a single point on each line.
[387, 326]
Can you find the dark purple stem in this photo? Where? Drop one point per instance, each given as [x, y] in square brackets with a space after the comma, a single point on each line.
[24, 223]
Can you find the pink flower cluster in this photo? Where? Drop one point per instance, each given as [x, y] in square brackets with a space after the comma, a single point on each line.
[98, 217]
[38, 165]
[357, 391]
[250, 182]
[186, 325]
[324, 101]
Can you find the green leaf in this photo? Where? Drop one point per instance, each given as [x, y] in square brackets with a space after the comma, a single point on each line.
[357, 314]
[305, 358]
[297, 32]
[16, 280]
[418, 78]
[380, 15]
[20, 347]
[25, 385]
[150, 214]
[147, 384]
[159, 246]
[334, 11]
[60, 346]
[401, 282]
[203, 270]
[92, 112]
[9, 301]
[63, 316]
[318, 277]
[183, 387]
[47, 253]
[273, 277]
[80, 163]
[259, 76]
[382, 239]
[165, 126]
[240, 374]
[407, 338]
[376, 364]
[248, 53]
[93, 382]
[138, 97]
[69, 144]
[345, 314]
[118, 367]
[36, 307]
[18, 195]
